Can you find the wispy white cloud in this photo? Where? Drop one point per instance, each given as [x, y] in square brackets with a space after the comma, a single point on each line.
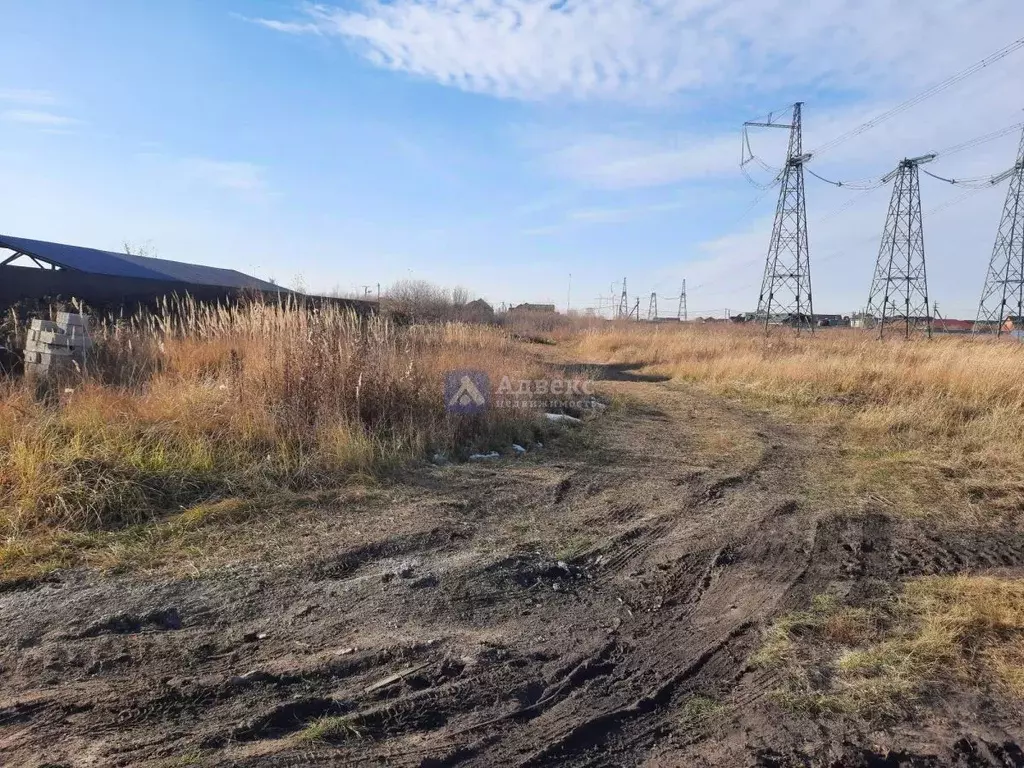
[288, 27]
[617, 215]
[649, 50]
[584, 217]
[611, 161]
[38, 118]
[231, 175]
[28, 96]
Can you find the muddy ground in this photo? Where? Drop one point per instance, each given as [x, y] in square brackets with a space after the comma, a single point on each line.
[565, 608]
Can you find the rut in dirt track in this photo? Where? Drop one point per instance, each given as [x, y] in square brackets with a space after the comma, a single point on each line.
[445, 629]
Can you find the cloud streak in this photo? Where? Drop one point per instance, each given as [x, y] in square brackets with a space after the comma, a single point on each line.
[611, 161]
[234, 176]
[28, 96]
[653, 49]
[38, 118]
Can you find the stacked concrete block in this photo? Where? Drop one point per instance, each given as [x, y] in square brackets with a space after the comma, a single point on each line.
[55, 346]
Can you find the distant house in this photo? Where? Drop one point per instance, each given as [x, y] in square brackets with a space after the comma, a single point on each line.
[862, 320]
[954, 326]
[831, 321]
[477, 311]
[549, 308]
[1013, 323]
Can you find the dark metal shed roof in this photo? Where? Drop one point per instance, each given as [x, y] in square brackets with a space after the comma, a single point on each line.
[92, 261]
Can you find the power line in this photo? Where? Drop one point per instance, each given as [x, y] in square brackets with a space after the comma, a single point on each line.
[972, 143]
[864, 185]
[844, 251]
[978, 182]
[867, 185]
[923, 96]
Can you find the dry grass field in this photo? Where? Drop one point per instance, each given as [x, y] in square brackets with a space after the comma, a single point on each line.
[928, 427]
[206, 404]
[786, 551]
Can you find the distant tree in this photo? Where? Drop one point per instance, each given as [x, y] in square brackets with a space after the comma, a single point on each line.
[425, 302]
[146, 250]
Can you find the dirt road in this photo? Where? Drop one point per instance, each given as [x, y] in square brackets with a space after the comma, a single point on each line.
[593, 603]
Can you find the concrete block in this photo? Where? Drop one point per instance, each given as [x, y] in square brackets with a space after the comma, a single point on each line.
[66, 319]
[51, 337]
[54, 352]
[43, 325]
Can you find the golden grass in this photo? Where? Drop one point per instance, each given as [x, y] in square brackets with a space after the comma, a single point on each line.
[204, 403]
[926, 427]
[331, 729]
[941, 634]
[698, 714]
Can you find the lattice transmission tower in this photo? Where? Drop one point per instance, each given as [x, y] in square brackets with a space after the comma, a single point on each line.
[623, 309]
[652, 307]
[786, 287]
[899, 290]
[682, 314]
[1003, 294]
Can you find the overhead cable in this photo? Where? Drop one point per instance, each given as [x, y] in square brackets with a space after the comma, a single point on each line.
[923, 96]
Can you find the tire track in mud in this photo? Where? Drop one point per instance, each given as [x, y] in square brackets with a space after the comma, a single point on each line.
[654, 656]
[674, 647]
[506, 654]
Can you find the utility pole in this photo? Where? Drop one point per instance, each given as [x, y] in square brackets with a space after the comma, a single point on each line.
[681, 315]
[786, 287]
[940, 320]
[623, 310]
[900, 286]
[652, 307]
[636, 310]
[1003, 294]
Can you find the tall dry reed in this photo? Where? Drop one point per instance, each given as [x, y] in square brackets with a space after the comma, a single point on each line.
[199, 401]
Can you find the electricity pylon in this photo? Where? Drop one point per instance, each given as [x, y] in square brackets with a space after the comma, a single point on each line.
[1003, 294]
[623, 311]
[682, 304]
[652, 307]
[786, 287]
[899, 290]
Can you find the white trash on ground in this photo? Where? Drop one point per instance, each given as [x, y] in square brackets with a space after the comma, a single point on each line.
[562, 418]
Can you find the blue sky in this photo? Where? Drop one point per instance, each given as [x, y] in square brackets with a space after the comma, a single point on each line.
[495, 144]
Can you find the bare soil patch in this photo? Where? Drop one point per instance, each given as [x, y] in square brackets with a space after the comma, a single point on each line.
[595, 603]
